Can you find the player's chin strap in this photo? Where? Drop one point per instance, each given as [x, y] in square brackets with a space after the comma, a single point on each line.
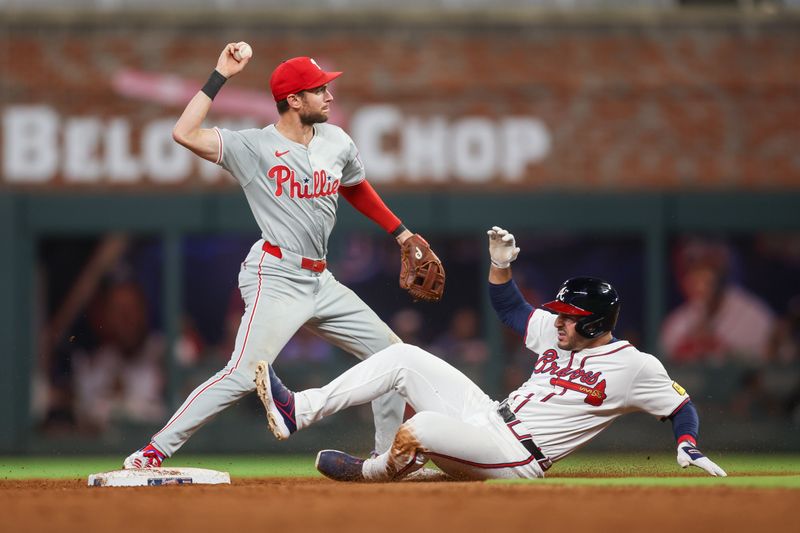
[510, 419]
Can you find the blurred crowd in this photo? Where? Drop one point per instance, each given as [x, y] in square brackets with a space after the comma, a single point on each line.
[727, 333]
[717, 319]
[117, 373]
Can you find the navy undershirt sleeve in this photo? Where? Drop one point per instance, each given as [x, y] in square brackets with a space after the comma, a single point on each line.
[510, 306]
[685, 421]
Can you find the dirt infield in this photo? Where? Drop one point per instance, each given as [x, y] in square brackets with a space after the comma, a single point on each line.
[278, 505]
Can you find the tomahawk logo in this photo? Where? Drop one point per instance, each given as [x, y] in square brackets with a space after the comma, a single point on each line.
[594, 395]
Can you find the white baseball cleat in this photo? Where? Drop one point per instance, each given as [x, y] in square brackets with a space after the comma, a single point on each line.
[147, 457]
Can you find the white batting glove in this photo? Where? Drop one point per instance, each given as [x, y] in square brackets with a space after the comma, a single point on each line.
[502, 247]
[688, 454]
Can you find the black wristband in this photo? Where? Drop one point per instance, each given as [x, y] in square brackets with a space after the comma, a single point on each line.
[398, 230]
[214, 84]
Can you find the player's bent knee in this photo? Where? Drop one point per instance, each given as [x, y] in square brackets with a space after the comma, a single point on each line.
[395, 355]
[420, 423]
[395, 350]
[406, 355]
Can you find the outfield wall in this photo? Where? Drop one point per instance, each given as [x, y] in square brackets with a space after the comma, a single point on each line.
[507, 102]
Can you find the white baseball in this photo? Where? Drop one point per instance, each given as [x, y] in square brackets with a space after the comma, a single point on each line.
[242, 51]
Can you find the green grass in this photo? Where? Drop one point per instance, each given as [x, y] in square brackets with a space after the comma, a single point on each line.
[643, 464]
[751, 470]
[82, 466]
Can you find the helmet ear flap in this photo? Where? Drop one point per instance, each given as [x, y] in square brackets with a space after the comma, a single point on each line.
[593, 326]
[590, 328]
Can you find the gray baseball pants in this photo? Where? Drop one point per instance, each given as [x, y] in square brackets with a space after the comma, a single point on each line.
[280, 297]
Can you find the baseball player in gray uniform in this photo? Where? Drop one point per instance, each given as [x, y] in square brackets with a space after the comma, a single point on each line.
[292, 173]
[582, 379]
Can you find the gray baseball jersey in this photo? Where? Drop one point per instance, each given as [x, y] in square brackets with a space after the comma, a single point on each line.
[293, 193]
[292, 189]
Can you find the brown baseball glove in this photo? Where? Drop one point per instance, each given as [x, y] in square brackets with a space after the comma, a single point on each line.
[421, 272]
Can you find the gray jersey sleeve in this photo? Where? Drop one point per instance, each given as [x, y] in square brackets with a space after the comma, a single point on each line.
[353, 171]
[239, 154]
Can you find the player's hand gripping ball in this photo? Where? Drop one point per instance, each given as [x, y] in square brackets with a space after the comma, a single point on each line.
[242, 51]
[502, 247]
[421, 272]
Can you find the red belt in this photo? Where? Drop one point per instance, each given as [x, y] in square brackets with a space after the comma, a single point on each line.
[314, 265]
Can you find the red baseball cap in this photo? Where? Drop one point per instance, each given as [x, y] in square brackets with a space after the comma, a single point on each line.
[298, 74]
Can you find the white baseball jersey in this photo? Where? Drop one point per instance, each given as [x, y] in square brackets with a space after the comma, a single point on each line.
[293, 190]
[572, 396]
[569, 399]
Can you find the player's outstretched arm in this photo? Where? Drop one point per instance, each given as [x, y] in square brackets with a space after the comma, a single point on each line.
[685, 424]
[421, 272]
[188, 131]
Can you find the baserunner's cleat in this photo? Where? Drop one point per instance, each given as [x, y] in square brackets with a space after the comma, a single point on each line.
[339, 466]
